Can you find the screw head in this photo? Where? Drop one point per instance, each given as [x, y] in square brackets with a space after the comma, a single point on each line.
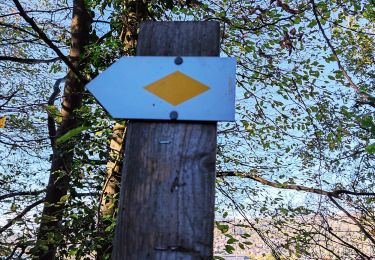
[178, 60]
[173, 115]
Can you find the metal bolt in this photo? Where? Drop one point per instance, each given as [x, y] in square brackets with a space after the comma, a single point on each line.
[178, 60]
[173, 115]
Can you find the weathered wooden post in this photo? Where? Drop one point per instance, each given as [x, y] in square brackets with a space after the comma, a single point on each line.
[167, 197]
[166, 208]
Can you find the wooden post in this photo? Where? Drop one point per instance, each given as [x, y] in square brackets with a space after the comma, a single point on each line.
[166, 208]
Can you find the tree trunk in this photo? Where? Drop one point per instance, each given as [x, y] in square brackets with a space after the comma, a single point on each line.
[62, 157]
[108, 200]
[135, 12]
[111, 185]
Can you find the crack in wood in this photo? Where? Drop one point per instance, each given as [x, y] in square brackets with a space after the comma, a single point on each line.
[176, 184]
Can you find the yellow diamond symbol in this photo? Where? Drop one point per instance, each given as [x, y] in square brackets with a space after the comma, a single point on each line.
[176, 88]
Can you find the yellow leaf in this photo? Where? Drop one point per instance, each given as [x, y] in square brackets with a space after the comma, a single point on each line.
[13, 207]
[2, 121]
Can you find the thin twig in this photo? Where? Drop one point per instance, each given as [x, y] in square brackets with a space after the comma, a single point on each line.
[21, 193]
[45, 38]
[28, 61]
[362, 94]
[334, 193]
[368, 235]
[19, 216]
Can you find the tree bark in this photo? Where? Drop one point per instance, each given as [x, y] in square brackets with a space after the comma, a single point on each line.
[135, 12]
[111, 188]
[114, 163]
[58, 184]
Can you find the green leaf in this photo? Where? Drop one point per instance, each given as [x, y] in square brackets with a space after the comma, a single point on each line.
[370, 149]
[284, 211]
[13, 207]
[312, 24]
[231, 240]
[222, 228]
[229, 249]
[64, 198]
[71, 134]
[366, 121]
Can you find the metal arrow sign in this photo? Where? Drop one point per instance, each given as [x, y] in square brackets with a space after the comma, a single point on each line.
[168, 88]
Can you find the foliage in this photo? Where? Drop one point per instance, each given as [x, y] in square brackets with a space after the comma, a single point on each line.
[296, 167]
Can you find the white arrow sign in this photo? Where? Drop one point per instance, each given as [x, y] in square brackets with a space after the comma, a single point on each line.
[165, 88]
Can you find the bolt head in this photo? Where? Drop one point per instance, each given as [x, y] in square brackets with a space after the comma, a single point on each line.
[173, 115]
[178, 60]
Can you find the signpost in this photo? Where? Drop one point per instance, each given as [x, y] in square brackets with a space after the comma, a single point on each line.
[196, 88]
[166, 208]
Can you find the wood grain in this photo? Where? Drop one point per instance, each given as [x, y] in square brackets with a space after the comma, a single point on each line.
[167, 196]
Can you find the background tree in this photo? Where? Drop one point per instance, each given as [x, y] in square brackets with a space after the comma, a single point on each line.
[24, 62]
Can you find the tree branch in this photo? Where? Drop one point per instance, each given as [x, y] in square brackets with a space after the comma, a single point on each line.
[13, 252]
[21, 193]
[287, 8]
[353, 218]
[38, 11]
[334, 193]
[19, 216]
[27, 61]
[45, 38]
[329, 229]
[275, 251]
[51, 120]
[17, 246]
[365, 96]
[8, 98]
[18, 29]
